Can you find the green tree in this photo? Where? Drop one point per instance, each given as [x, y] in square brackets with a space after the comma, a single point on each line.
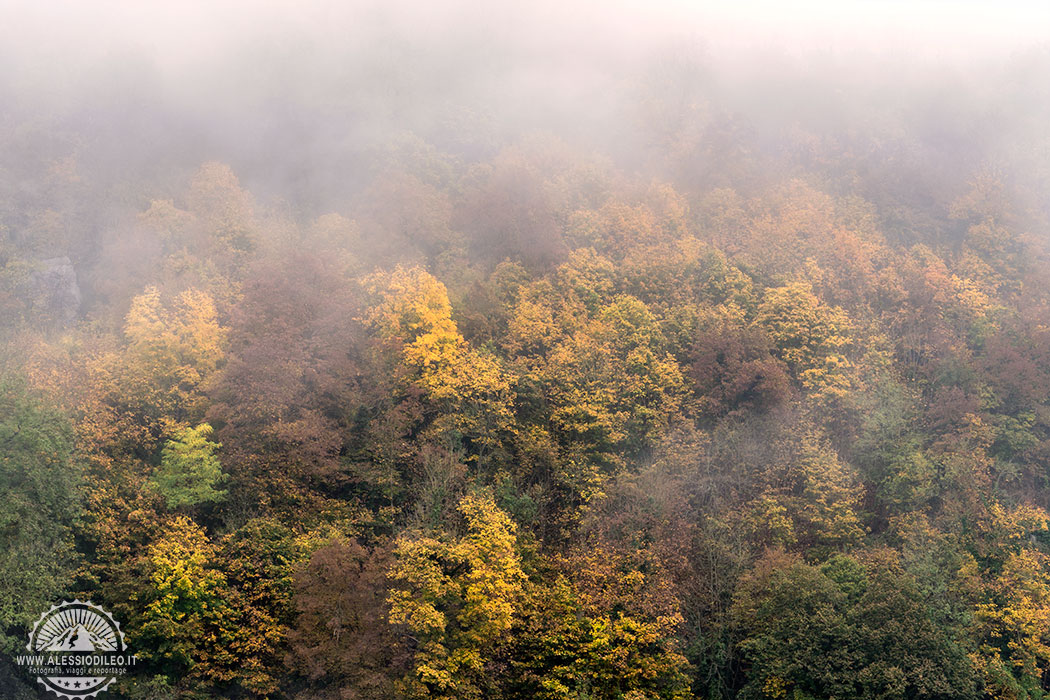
[189, 470]
[846, 629]
[40, 503]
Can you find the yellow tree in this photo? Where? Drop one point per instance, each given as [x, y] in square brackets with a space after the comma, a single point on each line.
[812, 337]
[455, 598]
[811, 499]
[1016, 626]
[596, 385]
[182, 603]
[468, 391]
[170, 355]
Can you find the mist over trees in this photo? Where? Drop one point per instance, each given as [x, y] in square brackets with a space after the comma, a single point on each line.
[383, 351]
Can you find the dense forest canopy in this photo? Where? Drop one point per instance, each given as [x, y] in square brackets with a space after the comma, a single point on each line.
[411, 351]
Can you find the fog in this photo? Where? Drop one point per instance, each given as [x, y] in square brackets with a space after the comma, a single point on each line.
[304, 99]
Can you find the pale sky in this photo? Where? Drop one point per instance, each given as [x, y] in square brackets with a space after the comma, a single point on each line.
[188, 31]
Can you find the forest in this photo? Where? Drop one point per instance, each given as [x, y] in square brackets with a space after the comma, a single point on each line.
[386, 372]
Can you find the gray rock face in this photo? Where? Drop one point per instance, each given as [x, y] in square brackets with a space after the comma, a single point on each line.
[52, 290]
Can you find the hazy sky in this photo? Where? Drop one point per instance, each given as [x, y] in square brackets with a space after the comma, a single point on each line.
[190, 34]
[209, 48]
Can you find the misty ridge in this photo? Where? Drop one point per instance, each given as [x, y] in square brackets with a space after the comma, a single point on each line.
[545, 351]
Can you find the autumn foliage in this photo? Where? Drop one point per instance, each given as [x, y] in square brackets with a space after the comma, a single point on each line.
[530, 426]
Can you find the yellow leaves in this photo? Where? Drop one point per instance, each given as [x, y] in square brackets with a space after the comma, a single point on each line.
[412, 308]
[614, 377]
[972, 297]
[215, 612]
[810, 336]
[1014, 617]
[831, 494]
[587, 276]
[1018, 621]
[465, 376]
[625, 650]
[195, 323]
[495, 580]
[458, 596]
[1017, 523]
[436, 677]
[434, 349]
[426, 584]
[172, 352]
[188, 334]
[597, 377]
[184, 593]
[768, 520]
[830, 379]
[410, 303]
[532, 328]
[802, 326]
[178, 573]
[775, 687]
[813, 499]
[469, 389]
[143, 319]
